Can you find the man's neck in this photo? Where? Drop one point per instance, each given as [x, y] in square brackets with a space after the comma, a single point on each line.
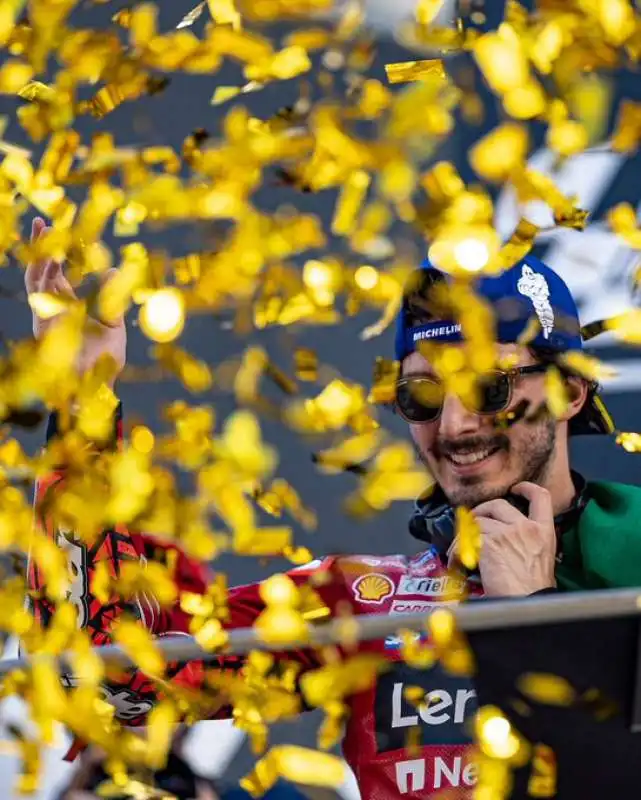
[562, 491]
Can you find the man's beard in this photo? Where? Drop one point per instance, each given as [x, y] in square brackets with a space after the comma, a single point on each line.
[533, 451]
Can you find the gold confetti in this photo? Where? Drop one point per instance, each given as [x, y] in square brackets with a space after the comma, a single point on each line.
[426, 11]
[296, 764]
[627, 132]
[137, 642]
[631, 442]
[496, 736]
[192, 16]
[556, 392]
[546, 689]
[498, 153]
[405, 71]
[622, 218]
[468, 538]
[349, 203]
[376, 146]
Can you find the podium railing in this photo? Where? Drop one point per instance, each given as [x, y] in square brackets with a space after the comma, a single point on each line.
[475, 615]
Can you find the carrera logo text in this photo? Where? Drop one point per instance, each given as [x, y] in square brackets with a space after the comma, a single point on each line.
[373, 588]
[434, 587]
[413, 607]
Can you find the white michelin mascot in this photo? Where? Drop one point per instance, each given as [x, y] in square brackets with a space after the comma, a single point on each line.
[535, 287]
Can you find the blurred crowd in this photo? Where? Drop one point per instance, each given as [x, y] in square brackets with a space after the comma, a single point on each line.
[176, 781]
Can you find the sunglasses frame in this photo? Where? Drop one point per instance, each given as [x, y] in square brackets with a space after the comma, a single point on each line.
[510, 374]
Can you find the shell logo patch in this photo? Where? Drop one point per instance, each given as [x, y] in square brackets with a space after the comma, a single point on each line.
[373, 587]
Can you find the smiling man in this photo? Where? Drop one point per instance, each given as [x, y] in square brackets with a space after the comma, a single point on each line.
[498, 452]
[514, 474]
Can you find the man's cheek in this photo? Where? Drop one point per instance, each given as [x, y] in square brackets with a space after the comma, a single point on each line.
[424, 437]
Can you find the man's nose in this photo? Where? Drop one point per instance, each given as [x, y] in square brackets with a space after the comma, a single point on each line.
[456, 420]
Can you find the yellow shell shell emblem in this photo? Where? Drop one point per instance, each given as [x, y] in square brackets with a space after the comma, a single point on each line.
[373, 588]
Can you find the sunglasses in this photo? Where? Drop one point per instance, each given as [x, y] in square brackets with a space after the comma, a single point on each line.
[419, 398]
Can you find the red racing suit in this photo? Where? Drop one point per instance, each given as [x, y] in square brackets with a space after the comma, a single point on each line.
[380, 718]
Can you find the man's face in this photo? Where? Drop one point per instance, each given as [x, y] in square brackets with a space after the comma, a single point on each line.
[472, 460]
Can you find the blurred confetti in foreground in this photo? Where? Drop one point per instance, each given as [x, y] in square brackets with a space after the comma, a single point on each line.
[269, 269]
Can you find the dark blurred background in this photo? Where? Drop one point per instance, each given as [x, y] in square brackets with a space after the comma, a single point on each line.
[597, 266]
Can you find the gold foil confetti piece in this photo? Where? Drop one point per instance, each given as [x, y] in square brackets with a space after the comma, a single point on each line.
[162, 316]
[295, 764]
[161, 725]
[224, 93]
[468, 538]
[622, 218]
[589, 100]
[305, 364]
[557, 394]
[630, 442]
[353, 450]
[9, 13]
[308, 38]
[543, 778]
[139, 645]
[406, 71]
[502, 60]
[36, 91]
[496, 737]
[335, 681]
[567, 137]
[224, 12]
[14, 75]
[349, 203]
[499, 152]
[193, 15]
[427, 10]
[547, 689]
[588, 366]
[627, 132]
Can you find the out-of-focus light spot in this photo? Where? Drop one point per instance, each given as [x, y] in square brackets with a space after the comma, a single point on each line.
[162, 317]
[472, 254]
[142, 439]
[317, 275]
[366, 277]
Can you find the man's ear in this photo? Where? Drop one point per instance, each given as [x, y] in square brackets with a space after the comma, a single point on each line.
[577, 397]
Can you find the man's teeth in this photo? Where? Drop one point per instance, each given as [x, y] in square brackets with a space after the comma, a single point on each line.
[470, 458]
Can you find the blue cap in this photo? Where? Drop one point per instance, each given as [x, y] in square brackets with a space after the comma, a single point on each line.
[527, 292]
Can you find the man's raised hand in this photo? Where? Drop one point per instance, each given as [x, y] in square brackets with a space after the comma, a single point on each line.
[101, 338]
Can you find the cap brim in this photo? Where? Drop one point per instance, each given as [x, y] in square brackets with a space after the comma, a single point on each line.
[593, 418]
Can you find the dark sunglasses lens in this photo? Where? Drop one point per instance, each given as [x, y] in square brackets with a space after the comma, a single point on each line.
[494, 393]
[419, 399]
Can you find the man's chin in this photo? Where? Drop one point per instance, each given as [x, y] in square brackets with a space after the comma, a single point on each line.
[473, 492]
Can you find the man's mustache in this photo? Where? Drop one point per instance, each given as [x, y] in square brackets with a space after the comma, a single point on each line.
[444, 447]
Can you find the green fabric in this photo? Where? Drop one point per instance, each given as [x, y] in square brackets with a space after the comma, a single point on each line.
[603, 551]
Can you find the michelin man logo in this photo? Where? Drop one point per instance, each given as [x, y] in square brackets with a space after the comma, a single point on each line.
[535, 287]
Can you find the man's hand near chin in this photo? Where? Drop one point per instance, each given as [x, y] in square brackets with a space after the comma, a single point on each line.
[518, 553]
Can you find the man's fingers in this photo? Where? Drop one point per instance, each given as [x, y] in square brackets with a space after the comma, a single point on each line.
[37, 227]
[47, 276]
[540, 501]
[499, 510]
[492, 528]
[61, 285]
[33, 273]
